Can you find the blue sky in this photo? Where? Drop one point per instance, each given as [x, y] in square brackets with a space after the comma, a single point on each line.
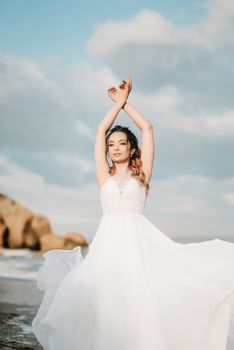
[57, 59]
[42, 28]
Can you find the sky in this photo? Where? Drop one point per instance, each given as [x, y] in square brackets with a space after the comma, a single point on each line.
[57, 60]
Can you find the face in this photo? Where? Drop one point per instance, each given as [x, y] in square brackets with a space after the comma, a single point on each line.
[119, 147]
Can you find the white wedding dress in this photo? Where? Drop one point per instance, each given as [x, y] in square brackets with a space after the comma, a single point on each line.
[135, 289]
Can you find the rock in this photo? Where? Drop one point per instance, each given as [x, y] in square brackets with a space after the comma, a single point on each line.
[34, 229]
[19, 227]
[76, 238]
[15, 217]
[69, 241]
[2, 230]
[40, 225]
[48, 242]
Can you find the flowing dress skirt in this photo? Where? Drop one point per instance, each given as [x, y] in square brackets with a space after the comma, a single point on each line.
[136, 289]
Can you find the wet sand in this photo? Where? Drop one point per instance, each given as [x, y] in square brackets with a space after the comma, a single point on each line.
[19, 301]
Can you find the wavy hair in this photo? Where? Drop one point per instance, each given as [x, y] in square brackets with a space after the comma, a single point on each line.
[135, 162]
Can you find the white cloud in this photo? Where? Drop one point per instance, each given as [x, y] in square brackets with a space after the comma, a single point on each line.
[150, 27]
[37, 107]
[229, 197]
[146, 27]
[22, 75]
[81, 165]
[84, 129]
[192, 207]
[19, 179]
[196, 59]
[165, 107]
[220, 126]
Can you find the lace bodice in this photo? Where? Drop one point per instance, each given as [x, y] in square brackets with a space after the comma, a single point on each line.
[122, 197]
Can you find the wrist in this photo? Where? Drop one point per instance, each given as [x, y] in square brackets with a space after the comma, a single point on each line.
[124, 104]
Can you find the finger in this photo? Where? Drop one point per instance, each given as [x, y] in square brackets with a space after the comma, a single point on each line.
[130, 79]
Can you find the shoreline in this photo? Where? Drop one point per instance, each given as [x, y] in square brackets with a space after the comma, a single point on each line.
[19, 302]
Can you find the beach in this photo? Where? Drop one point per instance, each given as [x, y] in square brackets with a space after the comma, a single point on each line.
[20, 299]
[16, 314]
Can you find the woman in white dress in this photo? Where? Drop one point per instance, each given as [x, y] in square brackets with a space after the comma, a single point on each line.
[136, 288]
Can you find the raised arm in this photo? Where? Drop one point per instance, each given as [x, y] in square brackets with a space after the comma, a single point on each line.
[101, 163]
[147, 141]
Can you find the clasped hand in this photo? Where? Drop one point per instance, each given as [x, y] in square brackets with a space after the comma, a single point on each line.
[123, 91]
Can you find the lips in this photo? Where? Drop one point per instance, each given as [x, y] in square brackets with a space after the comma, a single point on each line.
[117, 154]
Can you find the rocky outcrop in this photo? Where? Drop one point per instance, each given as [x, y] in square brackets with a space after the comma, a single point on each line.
[68, 241]
[75, 238]
[37, 227]
[21, 228]
[48, 242]
[14, 217]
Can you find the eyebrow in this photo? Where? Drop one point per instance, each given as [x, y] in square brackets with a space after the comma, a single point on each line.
[119, 140]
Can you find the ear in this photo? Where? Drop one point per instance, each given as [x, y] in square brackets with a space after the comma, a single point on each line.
[132, 151]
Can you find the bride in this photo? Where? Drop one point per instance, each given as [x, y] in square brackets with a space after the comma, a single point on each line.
[136, 288]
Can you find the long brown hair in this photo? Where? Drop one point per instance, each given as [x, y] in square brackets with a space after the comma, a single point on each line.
[135, 163]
